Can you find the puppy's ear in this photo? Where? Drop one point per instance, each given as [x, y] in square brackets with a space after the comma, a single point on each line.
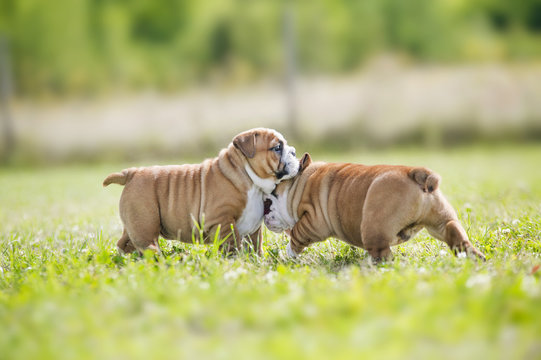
[246, 143]
[305, 161]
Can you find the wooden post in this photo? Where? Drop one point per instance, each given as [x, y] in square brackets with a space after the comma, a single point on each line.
[6, 89]
[290, 70]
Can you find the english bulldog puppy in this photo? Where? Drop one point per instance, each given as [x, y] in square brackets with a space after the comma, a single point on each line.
[224, 193]
[371, 207]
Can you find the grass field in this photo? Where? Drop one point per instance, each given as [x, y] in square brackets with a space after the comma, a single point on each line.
[66, 294]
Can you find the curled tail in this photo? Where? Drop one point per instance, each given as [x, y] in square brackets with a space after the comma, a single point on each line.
[426, 178]
[120, 178]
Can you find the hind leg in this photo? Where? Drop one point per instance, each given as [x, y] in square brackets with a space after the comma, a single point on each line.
[380, 254]
[145, 238]
[390, 214]
[124, 245]
[454, 235]
[377, 242]
[142, 228]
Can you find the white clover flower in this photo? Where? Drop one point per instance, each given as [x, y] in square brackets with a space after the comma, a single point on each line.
[235, 273]
[230, 275]
[529, 286]
[270, 277]
[423, 288]
[310, 310]
[479, 280]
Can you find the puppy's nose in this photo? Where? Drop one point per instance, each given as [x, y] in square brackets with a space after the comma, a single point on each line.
[293, 151]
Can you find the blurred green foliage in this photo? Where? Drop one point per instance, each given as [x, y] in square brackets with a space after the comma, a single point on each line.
[91, 46]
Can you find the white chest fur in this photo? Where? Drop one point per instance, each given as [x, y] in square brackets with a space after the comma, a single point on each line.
[267, 185]
[252, 214]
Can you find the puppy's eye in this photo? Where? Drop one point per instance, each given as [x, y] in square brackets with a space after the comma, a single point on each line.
[277, 148]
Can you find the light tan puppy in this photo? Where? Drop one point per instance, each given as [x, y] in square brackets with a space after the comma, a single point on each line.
[223, 193]
[372, 207]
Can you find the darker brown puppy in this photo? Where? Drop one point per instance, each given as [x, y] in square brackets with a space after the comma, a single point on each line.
[224, 193]
[372, 207]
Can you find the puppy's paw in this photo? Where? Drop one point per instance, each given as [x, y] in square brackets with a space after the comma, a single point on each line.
[290, 252]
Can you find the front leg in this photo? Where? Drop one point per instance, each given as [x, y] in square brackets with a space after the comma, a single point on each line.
[303, 235]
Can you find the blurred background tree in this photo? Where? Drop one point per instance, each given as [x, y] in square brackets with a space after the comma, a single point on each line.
[70, 47]
[90, 77]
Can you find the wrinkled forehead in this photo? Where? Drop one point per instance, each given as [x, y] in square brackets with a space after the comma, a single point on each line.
[278, 136]
[270, 137]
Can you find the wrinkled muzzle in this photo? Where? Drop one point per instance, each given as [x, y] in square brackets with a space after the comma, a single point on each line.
[289, 164]
[272, 217]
